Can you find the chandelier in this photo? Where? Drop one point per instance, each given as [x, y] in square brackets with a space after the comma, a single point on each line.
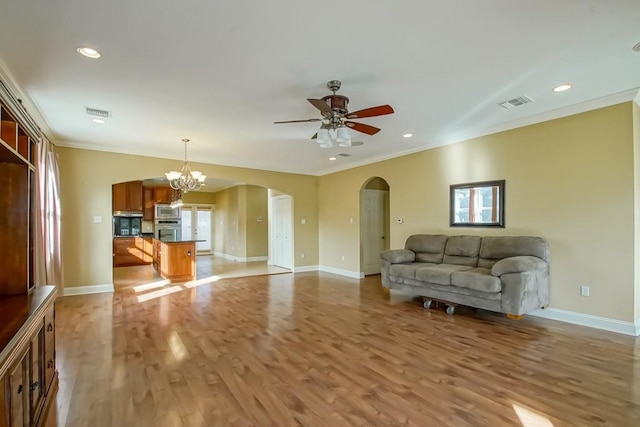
[186, 180]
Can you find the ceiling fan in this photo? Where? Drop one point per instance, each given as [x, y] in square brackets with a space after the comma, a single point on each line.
[335, 118]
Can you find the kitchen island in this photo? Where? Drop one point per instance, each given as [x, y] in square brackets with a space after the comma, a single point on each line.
[175, 261]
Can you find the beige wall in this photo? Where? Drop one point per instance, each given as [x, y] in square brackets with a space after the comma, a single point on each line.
[568, 180]
[227, 223]
[199, 198]
[257, 230]
[86, 177]
[238, 233]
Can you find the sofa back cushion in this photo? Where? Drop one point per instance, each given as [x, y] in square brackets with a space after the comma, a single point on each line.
[428, 247]
[462, 250]
[495, 248]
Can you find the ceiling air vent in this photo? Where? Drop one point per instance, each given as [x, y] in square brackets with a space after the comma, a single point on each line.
[343, 155]
[515, 102]
[98, 113]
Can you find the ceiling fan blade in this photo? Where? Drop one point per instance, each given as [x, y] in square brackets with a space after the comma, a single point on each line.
[380, 110]
[315, 136]
[320, 105]
[361, 127]
[298, 121]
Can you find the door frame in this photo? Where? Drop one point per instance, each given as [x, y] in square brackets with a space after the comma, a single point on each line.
[271, 227]
[386, 218]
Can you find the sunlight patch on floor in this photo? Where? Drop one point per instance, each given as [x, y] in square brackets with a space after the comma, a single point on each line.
[148, 286]
[159, 293]
[194, 283]
[531, 418]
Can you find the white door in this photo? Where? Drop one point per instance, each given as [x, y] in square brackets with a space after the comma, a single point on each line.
[372, 231]
[197, 224]
[281, 232]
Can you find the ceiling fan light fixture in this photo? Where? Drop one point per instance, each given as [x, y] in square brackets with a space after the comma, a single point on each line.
[323, 136]
[343, 138]
[326, 144]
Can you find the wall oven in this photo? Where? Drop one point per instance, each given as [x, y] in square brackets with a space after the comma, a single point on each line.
[164, 211]
[168, 230]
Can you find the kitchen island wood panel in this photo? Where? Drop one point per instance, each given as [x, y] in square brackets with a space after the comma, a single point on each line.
[175, 261]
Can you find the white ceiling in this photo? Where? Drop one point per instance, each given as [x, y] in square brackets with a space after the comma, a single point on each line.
[220, 72]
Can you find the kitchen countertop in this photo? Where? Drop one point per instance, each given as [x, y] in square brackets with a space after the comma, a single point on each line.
[181, 241]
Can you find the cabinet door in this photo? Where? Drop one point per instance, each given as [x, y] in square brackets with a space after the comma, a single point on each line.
[164, 194]
[49, 347]
[119, 197]
[135, 196]
[36, 374]
[18, 395]
[149, 200]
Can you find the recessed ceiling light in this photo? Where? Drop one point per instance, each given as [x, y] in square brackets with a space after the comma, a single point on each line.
[333, 158]
[99, 121]
[562, 88]
[407, 135]
[636, 48]
[88, 52]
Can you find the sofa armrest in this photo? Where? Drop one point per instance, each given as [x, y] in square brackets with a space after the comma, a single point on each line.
[398, 256]
[518, 264]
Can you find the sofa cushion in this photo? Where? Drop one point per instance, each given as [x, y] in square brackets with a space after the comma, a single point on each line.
[462, 250]
[479, 279]
[407, 271]
[495, 248]
[518, 264]
[397, 256]
[428, 247]
[440, 274]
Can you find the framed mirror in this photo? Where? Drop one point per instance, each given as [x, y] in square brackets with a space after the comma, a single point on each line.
[477, 204]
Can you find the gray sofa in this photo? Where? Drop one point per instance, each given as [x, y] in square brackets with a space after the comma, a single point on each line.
[507, 274]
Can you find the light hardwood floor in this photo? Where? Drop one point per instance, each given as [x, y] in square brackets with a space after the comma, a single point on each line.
[322, 350]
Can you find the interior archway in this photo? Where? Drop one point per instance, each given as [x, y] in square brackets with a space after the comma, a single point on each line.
[374, 223]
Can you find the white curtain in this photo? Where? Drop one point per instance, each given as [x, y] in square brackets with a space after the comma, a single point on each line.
[48, 256]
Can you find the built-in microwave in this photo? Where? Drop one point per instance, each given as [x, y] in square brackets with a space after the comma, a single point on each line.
[164, 211]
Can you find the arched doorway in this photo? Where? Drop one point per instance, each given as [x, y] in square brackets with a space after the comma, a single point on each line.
[374, 224]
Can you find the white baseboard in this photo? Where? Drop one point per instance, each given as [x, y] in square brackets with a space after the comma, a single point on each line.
[241, 259]
[86, 290]
[305, 268]
[341, 272]
[605, 323]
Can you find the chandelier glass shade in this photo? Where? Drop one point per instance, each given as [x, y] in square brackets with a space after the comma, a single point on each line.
[186, 180]
[328, 136]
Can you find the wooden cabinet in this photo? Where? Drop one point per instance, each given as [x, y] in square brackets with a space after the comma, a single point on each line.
[28, 378]
[148, 203]
[129, 251]
[17, 206]
[175, 261]
[164, 194]
[127, 196]
[27, 386]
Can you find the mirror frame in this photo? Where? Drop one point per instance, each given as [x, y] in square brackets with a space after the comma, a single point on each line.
[499, 222]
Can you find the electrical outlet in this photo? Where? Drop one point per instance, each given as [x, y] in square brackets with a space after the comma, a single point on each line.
[97, 219]
[302, 255]
[343, 257]
[584, 291]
